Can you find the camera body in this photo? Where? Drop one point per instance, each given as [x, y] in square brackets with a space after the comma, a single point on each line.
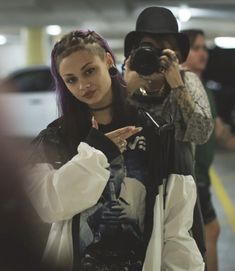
[145, 59]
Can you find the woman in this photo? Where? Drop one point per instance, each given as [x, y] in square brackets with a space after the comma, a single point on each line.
[204, 154]
[92, 179]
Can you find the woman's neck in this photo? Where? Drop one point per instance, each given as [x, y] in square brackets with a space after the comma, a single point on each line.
[102, 111]
[103, 116]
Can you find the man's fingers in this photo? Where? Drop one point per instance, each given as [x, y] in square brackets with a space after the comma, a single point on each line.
[127, 62]
[171, 55]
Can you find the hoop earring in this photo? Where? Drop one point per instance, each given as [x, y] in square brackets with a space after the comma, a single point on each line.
[113, 71]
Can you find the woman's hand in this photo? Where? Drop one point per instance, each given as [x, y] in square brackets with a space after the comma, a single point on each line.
[120, 135]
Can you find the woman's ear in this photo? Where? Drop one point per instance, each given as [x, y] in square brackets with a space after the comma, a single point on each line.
[110, 62]
[111, 66]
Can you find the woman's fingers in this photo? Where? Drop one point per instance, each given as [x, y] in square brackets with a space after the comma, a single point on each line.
[124, 132]
[119, 136]
[94, 123]
[122, 145]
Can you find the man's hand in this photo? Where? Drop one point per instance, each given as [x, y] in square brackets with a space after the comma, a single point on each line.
[170, 68]
[132, 79]
[169, 72]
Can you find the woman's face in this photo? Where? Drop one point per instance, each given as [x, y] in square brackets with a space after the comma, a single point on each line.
[87, 77]
[198, 55]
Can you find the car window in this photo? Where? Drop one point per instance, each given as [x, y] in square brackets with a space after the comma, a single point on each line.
[32, 81]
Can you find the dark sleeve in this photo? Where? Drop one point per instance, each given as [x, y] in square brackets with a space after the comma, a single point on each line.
[183, 158]
[101, 142]
[48, 147]
[36, 149]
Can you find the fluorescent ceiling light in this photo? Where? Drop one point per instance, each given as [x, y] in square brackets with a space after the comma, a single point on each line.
[184, 14]
[225, 42]
[3, 40]
[53, 30]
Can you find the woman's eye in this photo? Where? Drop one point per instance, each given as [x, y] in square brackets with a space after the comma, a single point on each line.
[71, 80]
[89, 71]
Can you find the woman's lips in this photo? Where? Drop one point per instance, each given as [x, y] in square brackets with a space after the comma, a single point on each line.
[89, 94]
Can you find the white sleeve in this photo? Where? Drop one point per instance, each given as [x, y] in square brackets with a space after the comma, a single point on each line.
[180, 252]
[60, 194]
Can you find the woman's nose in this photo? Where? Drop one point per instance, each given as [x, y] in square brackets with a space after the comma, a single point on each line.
[84, 85]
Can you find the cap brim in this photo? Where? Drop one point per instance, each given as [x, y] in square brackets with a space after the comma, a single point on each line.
[132, 40]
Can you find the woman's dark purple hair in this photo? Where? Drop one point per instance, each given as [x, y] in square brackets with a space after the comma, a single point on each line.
[75, 114]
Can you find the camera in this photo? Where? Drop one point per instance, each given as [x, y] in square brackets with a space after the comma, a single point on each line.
[145, 59]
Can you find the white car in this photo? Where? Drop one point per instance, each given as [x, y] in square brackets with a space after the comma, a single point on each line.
[28, 102]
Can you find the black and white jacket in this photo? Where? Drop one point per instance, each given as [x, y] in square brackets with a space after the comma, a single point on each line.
[161, 194]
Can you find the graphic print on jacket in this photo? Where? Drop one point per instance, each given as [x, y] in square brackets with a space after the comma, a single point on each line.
[111, 232]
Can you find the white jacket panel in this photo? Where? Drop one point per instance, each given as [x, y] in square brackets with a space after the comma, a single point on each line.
[59, 247]
[180, 251]
[153, 259]
[171, 248]
[58, 195]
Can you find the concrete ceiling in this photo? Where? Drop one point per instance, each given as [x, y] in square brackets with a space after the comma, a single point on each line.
[113, 19]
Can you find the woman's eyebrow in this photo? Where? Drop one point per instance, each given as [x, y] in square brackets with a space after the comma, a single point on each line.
[83, 67]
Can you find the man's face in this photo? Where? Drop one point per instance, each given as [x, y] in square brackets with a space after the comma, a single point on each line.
[198, 55]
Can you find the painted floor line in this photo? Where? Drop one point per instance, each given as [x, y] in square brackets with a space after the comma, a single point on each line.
[223, 198]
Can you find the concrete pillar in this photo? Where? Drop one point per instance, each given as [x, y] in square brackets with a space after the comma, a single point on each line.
[35, 44]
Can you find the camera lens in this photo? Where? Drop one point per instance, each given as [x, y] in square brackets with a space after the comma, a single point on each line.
[145, 60]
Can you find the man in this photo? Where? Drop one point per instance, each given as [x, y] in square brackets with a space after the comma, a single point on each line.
[196, 61]
[155, 84]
